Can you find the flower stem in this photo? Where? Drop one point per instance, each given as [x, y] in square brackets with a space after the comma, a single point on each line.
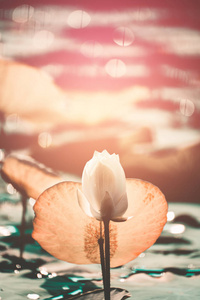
[101, 249]
[107, 259]
[23, 225]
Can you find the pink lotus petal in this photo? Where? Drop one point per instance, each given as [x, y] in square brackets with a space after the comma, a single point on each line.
[65, 231]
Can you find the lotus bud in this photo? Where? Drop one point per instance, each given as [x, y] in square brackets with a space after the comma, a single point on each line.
[103, 194]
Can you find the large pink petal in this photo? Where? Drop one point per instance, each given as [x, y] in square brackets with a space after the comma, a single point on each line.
[148, 208]
[62, 228]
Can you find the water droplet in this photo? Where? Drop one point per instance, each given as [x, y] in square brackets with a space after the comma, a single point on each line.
[187, 107]
[115, 68]
[33, 296]
[123, 36]
[78, 19]
[44, 139]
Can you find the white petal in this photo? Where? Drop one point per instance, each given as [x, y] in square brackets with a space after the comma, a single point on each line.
[104, 174]
[87, 187]
[103, 181]
[90, 165]
[84, 204]
[120, 207]
[113, 163]
[107, 207]
[96, 214]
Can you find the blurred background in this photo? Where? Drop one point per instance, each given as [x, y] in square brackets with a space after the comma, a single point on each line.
[79, 76]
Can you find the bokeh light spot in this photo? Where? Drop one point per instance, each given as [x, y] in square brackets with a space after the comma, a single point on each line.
[12, 122]
[10, 189]
[65, 288]
[32, 202]
[177, 229]
[44, 139]
[123, 36]
[170, 216]
[78, 19]
[91, 49]
[142, 255]
[4, 231]
[22, 13]
[43, 271]
[43, 39]
[44, 18]
[33, 296]
[187, 107]
[115, 68]
[52, 275]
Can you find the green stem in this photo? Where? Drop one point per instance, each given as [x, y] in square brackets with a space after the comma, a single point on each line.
[101, 249]
[107, 259]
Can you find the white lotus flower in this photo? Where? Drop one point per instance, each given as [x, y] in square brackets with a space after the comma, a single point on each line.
[103, 194]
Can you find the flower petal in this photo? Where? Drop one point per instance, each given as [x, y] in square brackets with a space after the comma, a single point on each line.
[148, 208]
[84, 204]
[107, 207]
[121, 206]
[95, 185]
[104, 174]
[60, 225]
[63, 229]
[112, 162]
[86, 207]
